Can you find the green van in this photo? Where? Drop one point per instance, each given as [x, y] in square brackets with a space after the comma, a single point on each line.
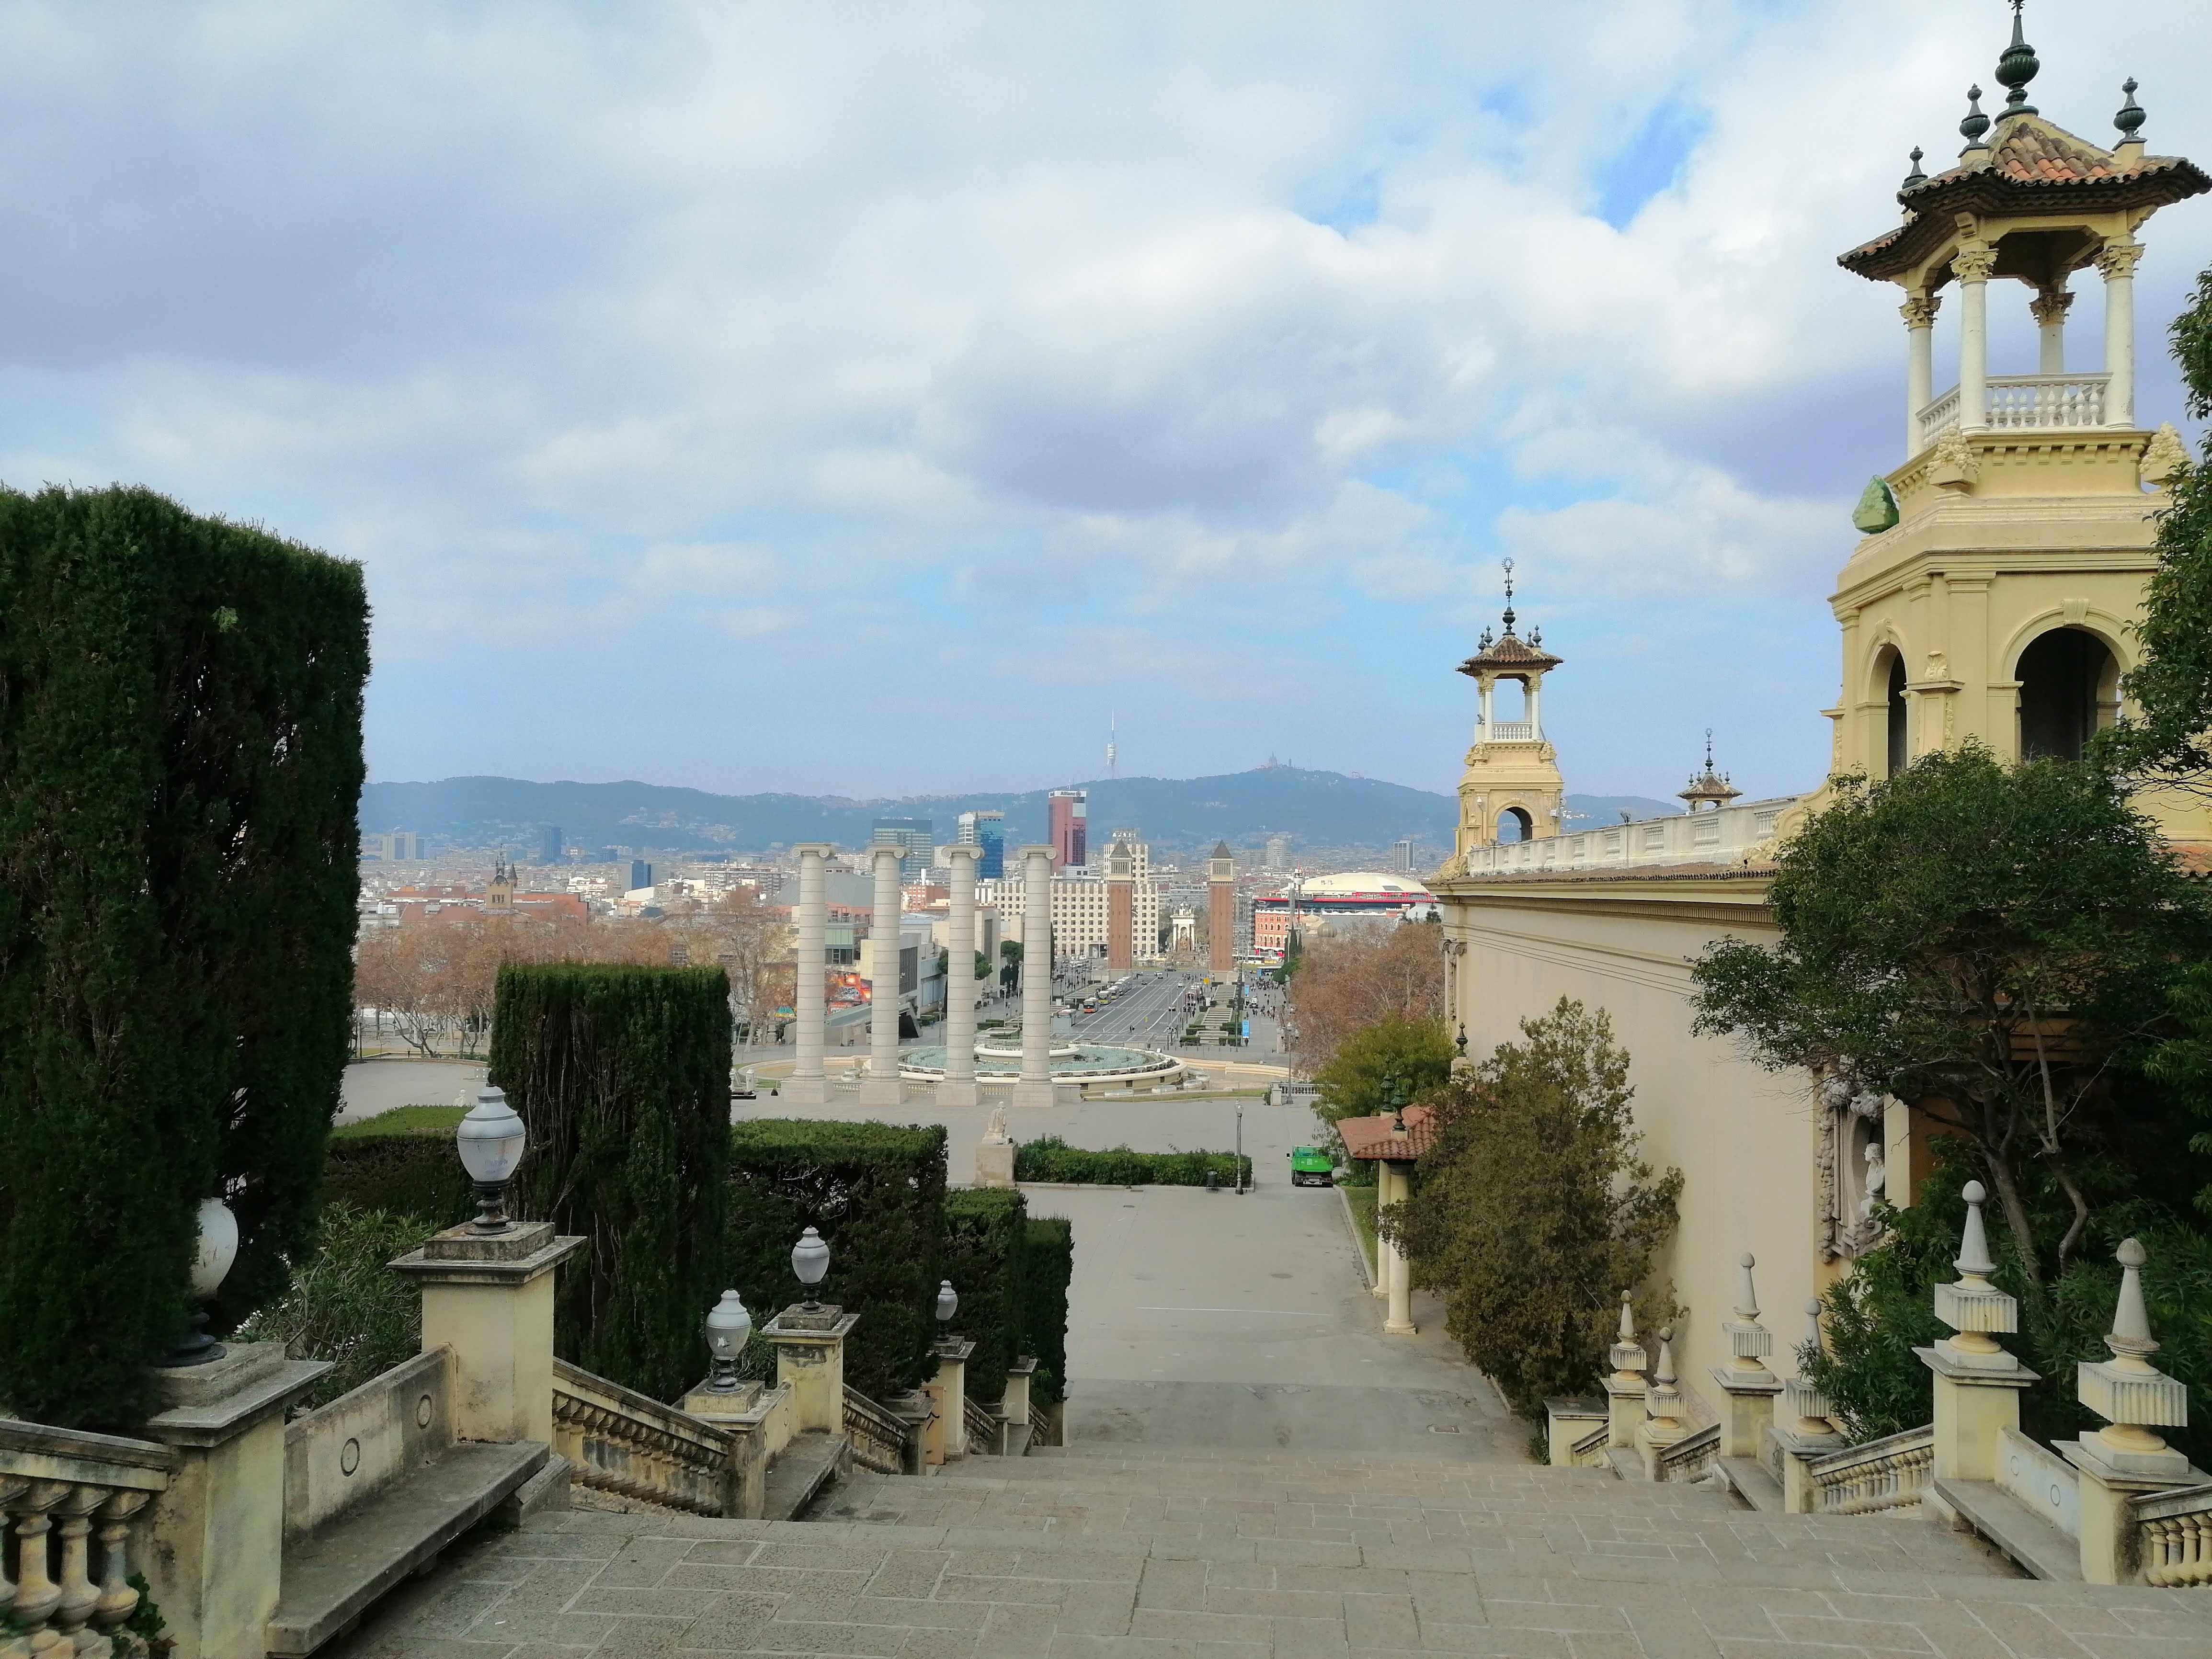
[1310, 1167]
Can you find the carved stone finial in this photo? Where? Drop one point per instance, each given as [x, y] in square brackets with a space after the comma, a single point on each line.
[1973, 1262]
[2133, 1396]
[1915, 177]
[1973, 1307]
[1747, 1298]
[2131, 1340]
[2016, 68]
[2132, 115]
[1976, 122]
[1813, 1323]
[1627, 1357]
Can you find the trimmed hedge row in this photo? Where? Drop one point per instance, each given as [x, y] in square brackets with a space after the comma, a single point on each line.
[876, 1192]
[1050, 1158]
[986, 1244]
[180, 760]
[405, 1172]
[1048, 1269]
[622, 1075]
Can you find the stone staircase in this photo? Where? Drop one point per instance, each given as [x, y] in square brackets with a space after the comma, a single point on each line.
[1128, 1552]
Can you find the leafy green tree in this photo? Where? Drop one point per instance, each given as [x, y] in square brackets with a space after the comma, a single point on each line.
[2165, 736]
[1415, 1051]
[1532, 1212]
[1992, 944]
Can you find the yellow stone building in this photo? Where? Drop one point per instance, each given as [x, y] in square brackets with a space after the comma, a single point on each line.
[1991, 596]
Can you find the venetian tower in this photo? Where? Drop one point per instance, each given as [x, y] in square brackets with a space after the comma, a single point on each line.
[1221, 910]
[2006, 556]
[1511, 789]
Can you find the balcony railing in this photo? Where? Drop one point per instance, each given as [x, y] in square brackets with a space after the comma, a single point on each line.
[1512, 731]
[2025, 403]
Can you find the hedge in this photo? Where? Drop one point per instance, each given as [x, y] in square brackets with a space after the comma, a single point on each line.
[986, 1240]
[622, 1075]
[180, 760]
[397, 1163]
[1048, 1268]
[877, 1193]
[1050, 1158]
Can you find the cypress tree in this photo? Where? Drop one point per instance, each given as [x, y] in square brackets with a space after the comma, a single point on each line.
[180, 768]
[622, 1075]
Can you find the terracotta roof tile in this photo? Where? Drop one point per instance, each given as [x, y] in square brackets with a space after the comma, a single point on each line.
[1371, 1137]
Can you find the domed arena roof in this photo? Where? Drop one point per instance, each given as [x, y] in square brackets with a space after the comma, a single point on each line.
[1362, 882]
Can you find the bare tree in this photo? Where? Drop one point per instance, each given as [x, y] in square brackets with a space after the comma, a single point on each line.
[1344, 985]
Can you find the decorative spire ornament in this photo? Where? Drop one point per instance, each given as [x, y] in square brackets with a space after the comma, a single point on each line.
[2016, 68]
[1508, 596]
[1915, 177]
[2131, 117]
[1976, 122]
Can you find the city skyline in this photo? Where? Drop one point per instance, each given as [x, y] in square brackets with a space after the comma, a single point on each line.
[771, 401]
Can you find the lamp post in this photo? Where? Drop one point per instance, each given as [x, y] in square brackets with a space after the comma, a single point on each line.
[490, 1139]
[218, 1248]
[1240, 1146]
[728, 1328]
[809, 1261]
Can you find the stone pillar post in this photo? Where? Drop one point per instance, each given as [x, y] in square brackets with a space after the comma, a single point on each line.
[2127, 1459]
[952, 1381]
[489, 1298]
[807, 1086]
[1972, 267]
[1977, 1383]
[2048, 308]
[215, 1539]
[1804, 1431]
[2117, 261]
[1625, 1388]
[1401, 1320]
[1382, 1290]
[1662, 1423]
[883, 1087]
[1749, 1386]
[1919, 314]
[810, 1356]
[958, 1087]
[1035, 1088]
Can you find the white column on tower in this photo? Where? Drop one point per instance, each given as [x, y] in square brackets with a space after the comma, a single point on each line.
[1484, 711]
[1535, 723]
[957, 1086]
[882, 1087]
[2048, 308]
[2117, 262]
[1919, 314]
[806, 1085]
[1972, 267]
[1035, 1088]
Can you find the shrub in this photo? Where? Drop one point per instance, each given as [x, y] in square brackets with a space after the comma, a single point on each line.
[1416, 1051]
[179, 761]
[1050, 1158]
[986, 1240]
[1533, 1212]
[877, 1192]
[622, 1074]
[346, 1303]
[1047, 1270]
[413, 1172]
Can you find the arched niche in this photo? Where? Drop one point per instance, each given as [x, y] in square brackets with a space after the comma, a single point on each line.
[2069, 690]
[1514, 824]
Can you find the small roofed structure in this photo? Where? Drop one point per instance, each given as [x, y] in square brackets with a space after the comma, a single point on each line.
[1380, 1137]
[1710, 791]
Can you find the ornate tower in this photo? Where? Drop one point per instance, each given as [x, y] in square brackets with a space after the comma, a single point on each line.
[2005, 558]
[1120, 908]
[1511, 789]
[1221, 910]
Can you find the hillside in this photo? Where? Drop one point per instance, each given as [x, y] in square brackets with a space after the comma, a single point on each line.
[1316, 809]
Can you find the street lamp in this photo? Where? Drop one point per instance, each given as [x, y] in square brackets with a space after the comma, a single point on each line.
[1394, 1097]
[218, 1248]
[948, 1303]
[491, 1141]
[728, 1328]
[809, 1261]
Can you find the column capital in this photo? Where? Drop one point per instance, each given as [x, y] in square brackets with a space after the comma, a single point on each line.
[961, 849]
[2119, 257]
[2050, 306]
[820, 849]
[1976, 262]
[1919, 310]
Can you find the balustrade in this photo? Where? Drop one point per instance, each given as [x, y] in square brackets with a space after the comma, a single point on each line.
[629, 1444]
[2025, 403]
[984, 1431]
[1891, 1474]
[2176, 1536]
[68, 1504]
[1692, 1458]
[879, 1438]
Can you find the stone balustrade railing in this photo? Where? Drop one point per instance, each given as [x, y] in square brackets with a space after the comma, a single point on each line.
[1890, 1474]
[878, 1437]
[2174, 1536]
[1588, 1451]
[2025, 403]
[1692, 1458]
[629, 1443]
[1726, 836]
[69, 1501]
[986, 1437]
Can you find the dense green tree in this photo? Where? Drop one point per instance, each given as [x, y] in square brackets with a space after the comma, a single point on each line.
[2165, 736]
[1992, 944]
[1415, 1051]
[1532, 1211]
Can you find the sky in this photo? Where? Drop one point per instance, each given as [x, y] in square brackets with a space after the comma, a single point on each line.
[878, 399]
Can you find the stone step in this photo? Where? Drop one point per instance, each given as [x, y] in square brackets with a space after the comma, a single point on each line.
[586, 1581]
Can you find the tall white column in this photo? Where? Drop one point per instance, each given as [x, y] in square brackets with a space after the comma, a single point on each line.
[1919, 314]
[1483, 711]
[1400, 1321]
[1035, 1088]
[1972, 268]
[1535, 719]
[2048, 308]
[2117, 262]
[958, 1087]
[882, 1087]
[806, 1085]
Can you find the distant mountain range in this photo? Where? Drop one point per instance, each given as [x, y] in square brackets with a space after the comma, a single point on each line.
[1317, 810]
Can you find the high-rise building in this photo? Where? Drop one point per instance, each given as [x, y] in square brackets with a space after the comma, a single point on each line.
[549, 843]
[1278, 851]
[1401, 857]
[641, 874]
[1068, 827]
[981, 829]
[916, 840]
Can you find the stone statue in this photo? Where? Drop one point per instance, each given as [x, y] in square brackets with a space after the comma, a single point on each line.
[996, 1134]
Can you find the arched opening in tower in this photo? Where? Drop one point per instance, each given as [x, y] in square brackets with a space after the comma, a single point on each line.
[1514, 825]
[1896, 751]
[2068, 680]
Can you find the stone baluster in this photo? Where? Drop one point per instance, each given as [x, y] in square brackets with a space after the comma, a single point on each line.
[79, 1594]
[1977, 1383]
[117, 1600]
[1625, 1388]
[1749, 1385]
[2128, 1458]
[37, 1595]
[1804, 1431]
[1663, 1408]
